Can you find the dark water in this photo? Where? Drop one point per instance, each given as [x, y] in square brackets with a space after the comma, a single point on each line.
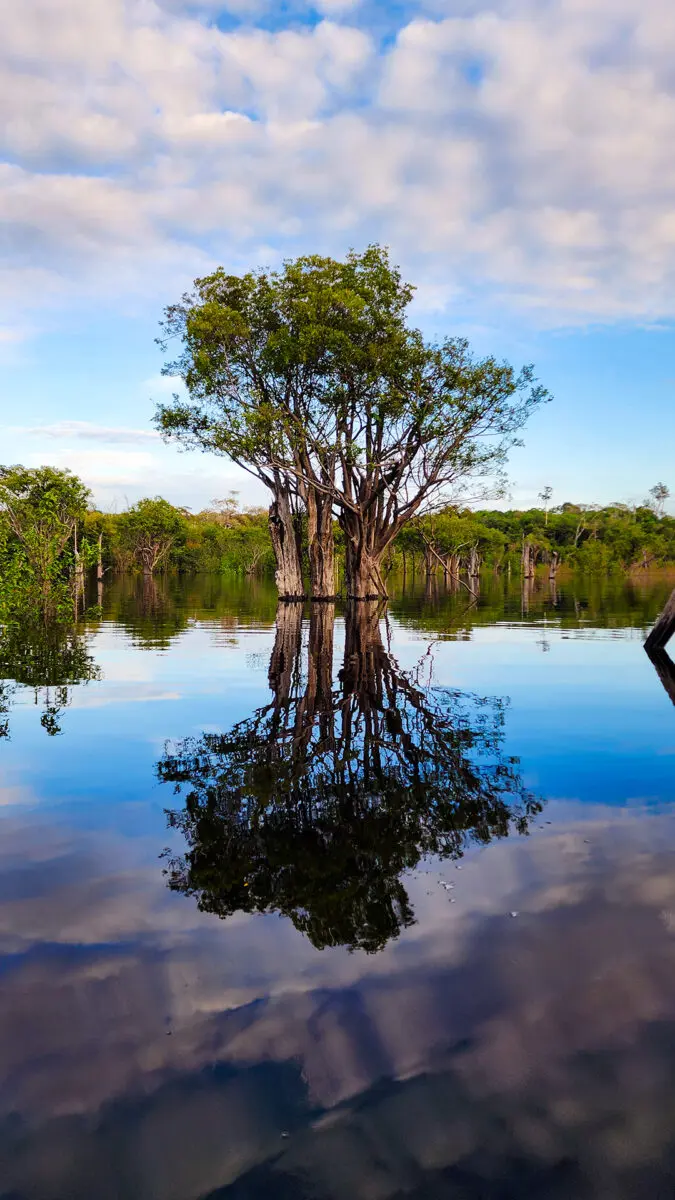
[384, 908]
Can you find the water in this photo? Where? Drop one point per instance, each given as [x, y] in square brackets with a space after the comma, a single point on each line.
[402, 925]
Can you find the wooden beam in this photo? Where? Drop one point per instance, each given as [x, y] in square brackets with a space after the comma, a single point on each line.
[664, 627]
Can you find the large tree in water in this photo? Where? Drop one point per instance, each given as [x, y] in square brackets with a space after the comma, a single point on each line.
[264, 358]
[317, 804]
[313, 378]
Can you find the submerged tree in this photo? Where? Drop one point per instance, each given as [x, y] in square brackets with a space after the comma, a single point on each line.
[39, 512]
[149, 530]
[316, 805]
[311, 378]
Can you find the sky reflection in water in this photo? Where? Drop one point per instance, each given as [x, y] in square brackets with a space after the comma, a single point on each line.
[151, 1050]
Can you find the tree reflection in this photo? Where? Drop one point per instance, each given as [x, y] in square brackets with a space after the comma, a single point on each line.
[48, 660]
[316, 805]
[665, 669]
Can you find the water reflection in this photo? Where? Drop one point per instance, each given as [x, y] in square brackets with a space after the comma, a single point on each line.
[50, 661]
[665, 669]
[318, 803]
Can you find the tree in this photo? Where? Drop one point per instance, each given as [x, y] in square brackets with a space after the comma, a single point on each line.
[150, 529]
[312, 378]
[659, 493]
[40, 509]
[545, 497]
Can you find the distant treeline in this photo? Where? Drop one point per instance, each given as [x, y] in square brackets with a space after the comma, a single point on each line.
[227, 538]
[52, 539]
[585, 538]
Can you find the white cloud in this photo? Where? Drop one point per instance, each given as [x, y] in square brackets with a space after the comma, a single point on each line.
[87, 431]
[515, 151]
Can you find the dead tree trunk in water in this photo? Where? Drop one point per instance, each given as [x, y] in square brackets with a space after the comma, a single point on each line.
[528, 560]
[664, 627]
[474, 563]
[285, 537]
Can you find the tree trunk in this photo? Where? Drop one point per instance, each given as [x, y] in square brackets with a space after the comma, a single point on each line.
[99, 564]
[664, 627]
[286, 546]
[430, 587]
[553, 565]
[528, 561]
[474, 563]
[321, 544]
[362, 561]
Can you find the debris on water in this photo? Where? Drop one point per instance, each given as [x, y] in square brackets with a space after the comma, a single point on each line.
[513, 914]
[448, 886]
[452, 900]
[285, 1134]
[458, 868]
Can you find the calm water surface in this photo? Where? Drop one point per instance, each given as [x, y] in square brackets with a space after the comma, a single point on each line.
[365, 907]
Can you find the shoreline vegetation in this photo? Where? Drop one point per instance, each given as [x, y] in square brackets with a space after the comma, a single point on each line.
[52, 541]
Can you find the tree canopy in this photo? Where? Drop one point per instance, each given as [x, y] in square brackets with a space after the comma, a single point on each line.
[39, 511]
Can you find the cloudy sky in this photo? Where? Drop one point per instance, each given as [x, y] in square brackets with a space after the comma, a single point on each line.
[516, 155]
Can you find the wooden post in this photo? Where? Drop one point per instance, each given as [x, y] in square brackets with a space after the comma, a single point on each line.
[664, 627]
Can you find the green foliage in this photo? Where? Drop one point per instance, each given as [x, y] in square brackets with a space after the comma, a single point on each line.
[230, 540]
[582, 537]
[40, 509]
[149, 530]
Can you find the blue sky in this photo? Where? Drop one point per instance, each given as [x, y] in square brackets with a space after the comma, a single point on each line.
[516, 155]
